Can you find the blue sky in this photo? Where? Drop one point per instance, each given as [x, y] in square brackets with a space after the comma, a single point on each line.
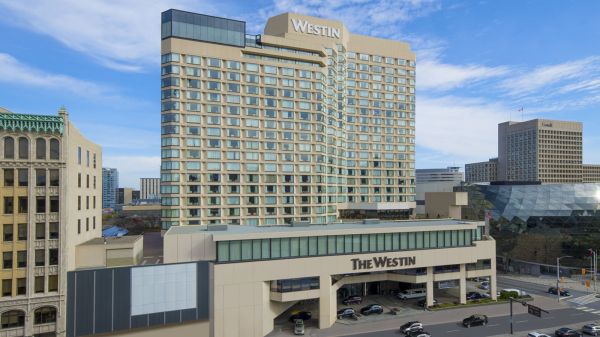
[478, 62]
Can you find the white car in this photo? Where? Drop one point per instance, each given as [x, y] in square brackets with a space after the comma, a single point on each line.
[591, 329]
[537, 334]
[520, 293]
[412, 293]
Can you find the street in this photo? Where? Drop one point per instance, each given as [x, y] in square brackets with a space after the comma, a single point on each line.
[523, 323]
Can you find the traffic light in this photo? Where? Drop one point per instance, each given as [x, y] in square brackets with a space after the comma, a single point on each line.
[590, 252]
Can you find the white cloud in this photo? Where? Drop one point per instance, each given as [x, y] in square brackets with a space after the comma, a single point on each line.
[132, 168]
[360, 16]
[14, 72]
[120, 34]
[462, 128]
[434, 75]
[544, 76]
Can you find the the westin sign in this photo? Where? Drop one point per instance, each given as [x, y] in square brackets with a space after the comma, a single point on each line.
[383, 262]
[309, 28]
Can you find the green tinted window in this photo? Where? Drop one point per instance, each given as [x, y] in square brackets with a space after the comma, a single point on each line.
[419, 240]
[312, 246]
[396, 241]
[403, 241]
[223, 251]
[331, 245]
[294, 247]
[364, 243]
[356, 243]
[285, 247]
[275, 248]
[235, 250]
[256, 250]
[412, 240]
[246, 250]
[266, 248]
[322, 245]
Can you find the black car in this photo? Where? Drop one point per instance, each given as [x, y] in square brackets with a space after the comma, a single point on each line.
[352, 300]
[303, 315]
[563, 292]
[567, 332]
[473, 295]
[371, 309]
[345, 313]
[474, 320]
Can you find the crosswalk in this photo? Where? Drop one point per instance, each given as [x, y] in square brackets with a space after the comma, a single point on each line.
[583, 300]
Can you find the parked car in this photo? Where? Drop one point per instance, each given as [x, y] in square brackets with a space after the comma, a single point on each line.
[473, 295]
[567, 332]
[412, 293]
[485, 285]
[418, 334]
[474, 320]
[591, 329]
[352, 300]
[346, 313]
[298, 327]
[410, 327]
[563, 292]
[537, 334]
[422, 302]
[371, 309]
[303, 315]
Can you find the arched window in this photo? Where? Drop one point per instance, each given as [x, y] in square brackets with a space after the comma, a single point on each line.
[45, 315]
[13, 319]
[9, 148]
[54, 149]
[40, 148]
[23, 148]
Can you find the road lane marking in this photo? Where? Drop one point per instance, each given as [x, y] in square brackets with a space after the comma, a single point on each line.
[452, 331]
[579, 314]
[522, 321]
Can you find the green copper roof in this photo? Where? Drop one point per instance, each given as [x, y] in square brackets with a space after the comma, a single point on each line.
[31, 123]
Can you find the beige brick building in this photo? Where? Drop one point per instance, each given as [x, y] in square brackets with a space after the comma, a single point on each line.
[51, 193]
[482, 172]
[304, 122]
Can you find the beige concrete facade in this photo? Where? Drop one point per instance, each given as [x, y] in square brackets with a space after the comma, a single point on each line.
[244, 302]
[52, 174]
[298, 124]
[482, 172]
[542, 150]
[110, 252]
[591, 173]
[445, 204]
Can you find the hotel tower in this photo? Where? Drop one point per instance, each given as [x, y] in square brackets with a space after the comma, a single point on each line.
[306, 122]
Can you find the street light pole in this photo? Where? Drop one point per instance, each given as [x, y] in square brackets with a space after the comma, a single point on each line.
[558, 275]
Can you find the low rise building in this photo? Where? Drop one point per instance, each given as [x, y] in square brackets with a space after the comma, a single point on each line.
[482, 172]
[435, 180]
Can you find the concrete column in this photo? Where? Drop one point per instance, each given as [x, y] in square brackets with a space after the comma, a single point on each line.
[462, 294]
[429, 286]
[327, 303]
[493, 285]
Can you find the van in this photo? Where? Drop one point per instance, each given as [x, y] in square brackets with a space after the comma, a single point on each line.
[520, 293]
[412, 293]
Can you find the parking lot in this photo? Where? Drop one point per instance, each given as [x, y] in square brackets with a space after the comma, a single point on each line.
[393, 307]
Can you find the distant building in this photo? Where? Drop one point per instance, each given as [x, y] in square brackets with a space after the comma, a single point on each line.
[435, 180]
[540, 150]
[149, 188]
[591, 173]
[135, 194]
[110, 183]
[124, 195]
[483, 172]
[50, 192]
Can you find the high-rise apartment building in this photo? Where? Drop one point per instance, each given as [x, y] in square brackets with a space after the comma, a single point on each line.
[542, 150]
[149, 188]
[50, 193]
[482, 172]
[306, 122]
[110, 184]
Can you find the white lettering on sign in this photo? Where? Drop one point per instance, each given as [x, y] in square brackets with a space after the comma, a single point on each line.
[309, 28]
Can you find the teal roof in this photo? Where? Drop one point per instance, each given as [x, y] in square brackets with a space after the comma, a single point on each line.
[32, 123]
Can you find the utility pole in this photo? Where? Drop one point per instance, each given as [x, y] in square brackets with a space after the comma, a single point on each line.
[558, 275]
[531, 309]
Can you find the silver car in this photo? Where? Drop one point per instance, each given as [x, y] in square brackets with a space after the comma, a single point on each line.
[298, 327]
[591, 329]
